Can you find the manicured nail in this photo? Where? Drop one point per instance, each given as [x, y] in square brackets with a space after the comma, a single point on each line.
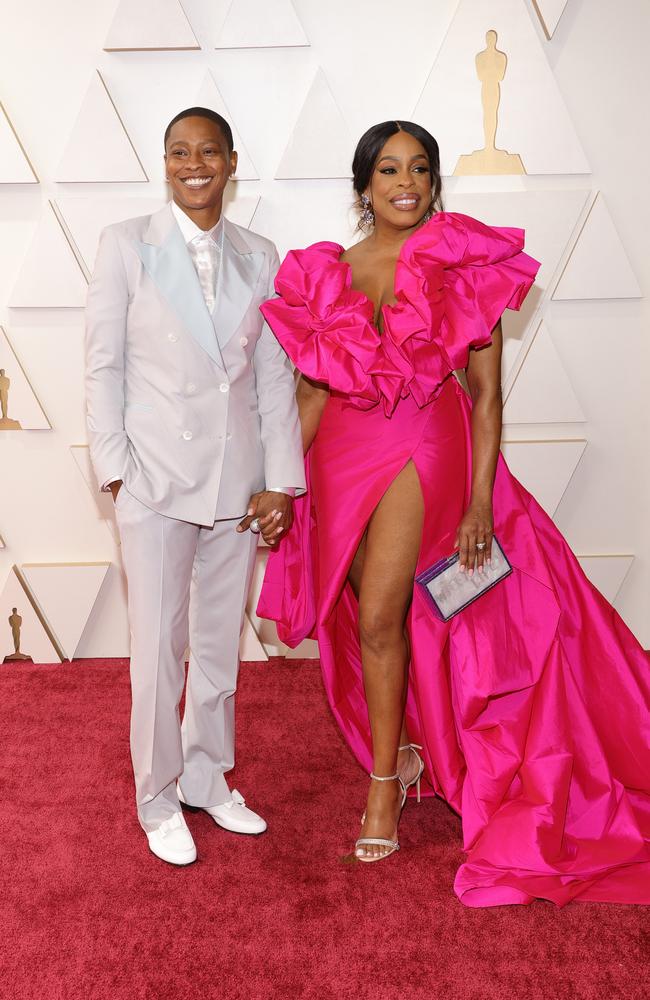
[278, 515]
[471, 573]
[480, 569]
[250, 511]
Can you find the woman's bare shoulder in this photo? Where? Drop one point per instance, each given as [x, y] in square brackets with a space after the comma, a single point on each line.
[356, 252]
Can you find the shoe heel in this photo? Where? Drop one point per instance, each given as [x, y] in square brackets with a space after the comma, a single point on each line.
[417, 790]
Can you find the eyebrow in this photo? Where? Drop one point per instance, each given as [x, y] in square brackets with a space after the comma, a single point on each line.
[397, 159]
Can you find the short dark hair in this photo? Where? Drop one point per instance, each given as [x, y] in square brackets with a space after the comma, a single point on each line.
[373, 141]
[203, 113]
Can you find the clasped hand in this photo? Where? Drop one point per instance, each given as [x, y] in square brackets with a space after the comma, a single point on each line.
[475, 528]
[274, 512]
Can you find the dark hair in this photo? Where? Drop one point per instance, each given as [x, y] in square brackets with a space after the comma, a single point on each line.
[373, 141]
[226, 130]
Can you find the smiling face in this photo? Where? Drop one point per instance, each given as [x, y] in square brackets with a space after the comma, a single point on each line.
[198, 164]
[400, 185]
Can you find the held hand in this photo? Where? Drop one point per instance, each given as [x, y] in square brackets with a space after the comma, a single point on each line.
[115, 489]
[475, 528]
[274, 511]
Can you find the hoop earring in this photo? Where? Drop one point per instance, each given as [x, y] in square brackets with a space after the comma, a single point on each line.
[367, 217]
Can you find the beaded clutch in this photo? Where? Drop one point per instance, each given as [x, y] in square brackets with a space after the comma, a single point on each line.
[448, 591]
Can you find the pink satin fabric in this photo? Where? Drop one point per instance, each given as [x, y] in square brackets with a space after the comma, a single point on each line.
[533, 705]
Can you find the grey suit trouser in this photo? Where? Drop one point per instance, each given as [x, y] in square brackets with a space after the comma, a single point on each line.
[183, 580]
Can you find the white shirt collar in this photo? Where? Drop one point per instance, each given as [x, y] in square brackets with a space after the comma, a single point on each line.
[189, 229]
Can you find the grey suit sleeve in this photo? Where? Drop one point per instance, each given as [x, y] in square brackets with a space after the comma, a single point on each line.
[276, 401]
[106, 310]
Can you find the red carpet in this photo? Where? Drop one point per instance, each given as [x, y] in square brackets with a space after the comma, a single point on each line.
[88, 913]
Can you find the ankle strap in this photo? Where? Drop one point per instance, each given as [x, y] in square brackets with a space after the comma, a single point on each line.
[411, 746]
[390, 777]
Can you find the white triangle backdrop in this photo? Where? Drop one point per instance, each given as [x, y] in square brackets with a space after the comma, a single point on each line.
[320, 144]
[15, 167]
[66, 593]
[150, 24]
[253, 24]
[99, 148]
[599, 267]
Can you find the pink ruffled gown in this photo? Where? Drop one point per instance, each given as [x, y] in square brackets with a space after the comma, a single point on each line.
[533, 704]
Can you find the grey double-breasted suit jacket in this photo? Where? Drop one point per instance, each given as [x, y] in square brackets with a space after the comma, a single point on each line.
[194, 412]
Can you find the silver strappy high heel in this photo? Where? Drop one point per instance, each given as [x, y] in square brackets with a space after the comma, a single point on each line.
[414, 747]
[393, 845]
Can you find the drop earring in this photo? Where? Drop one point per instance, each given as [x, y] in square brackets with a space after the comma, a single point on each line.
[367, 217]
[428, 215]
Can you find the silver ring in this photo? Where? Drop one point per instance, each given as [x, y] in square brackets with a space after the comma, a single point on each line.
[481, 545]
[255, 526]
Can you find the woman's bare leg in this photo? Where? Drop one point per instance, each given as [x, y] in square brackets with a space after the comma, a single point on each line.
[383, 572]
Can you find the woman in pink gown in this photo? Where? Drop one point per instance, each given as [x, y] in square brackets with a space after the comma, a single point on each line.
[531, 706]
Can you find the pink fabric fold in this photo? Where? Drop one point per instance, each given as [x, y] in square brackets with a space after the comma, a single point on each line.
[532, 705]
[453, 280]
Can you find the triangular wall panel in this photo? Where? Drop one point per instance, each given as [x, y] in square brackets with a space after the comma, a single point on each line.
[598, 267]
[542, 392]
[252, 24]
[450, 105]
[23, 410]
[250, 646]
[104, 504]
[34, 641]
[545, 468]
[66, 594]
[209, 96]
[239, 208]
[150, 24]
[84, 219]
[320, 145]
[550, 220]
[550, 12]
[607, 572]
[99, 148]
[51, 276]
[15, 167]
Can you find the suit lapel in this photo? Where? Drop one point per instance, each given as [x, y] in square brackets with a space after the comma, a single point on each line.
[167, 261]
[241, 270]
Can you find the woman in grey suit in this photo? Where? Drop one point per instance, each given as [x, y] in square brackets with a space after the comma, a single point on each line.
[193, 427]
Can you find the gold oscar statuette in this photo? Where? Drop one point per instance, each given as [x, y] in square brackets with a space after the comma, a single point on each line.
[6, 423]
[491, 66]
[16, 621]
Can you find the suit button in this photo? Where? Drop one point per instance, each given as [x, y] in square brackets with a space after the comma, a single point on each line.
[172, 338]
[190, 387]
[187, 435]
[224, 387]
[228, 437]
[243, 341]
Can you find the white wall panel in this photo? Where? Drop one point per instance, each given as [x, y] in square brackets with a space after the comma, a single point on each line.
[599, 267]
[150, 24]
[15, 167]
[568, 106]
[254, 24]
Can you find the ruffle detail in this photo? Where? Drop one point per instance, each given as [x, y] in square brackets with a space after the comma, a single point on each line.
[454, 278]
[326, 327]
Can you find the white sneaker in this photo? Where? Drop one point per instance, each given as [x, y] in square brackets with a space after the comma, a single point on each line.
[233, 815]
[172, 841]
